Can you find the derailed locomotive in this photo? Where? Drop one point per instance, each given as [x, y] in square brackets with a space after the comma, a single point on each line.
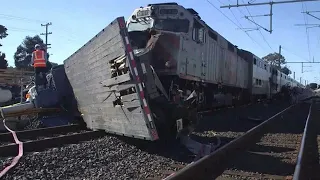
[151, 75]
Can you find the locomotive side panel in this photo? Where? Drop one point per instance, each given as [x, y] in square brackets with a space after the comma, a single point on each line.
[211, 68]
[234, 70]
[242, 73]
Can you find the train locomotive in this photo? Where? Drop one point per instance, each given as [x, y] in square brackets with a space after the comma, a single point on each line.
[189, 56]
[151, 75]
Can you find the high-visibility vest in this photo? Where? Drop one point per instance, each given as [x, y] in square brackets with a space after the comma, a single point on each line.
[39, 59]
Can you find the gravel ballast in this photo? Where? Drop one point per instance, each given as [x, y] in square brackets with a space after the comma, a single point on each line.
[114, 157]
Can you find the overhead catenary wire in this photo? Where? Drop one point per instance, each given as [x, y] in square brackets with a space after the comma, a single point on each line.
[304, 8]
[291, 52]
[252, 20]
[234, 23]
[259, 29]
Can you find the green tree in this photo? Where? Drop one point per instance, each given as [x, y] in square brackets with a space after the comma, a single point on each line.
[22, 57]
[3, 32]
[275, 59]
[3, 61]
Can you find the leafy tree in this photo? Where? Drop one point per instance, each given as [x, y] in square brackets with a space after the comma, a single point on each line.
[3, 32]
[277, 60]
[3, 61]
[274, 59]
[22, 57]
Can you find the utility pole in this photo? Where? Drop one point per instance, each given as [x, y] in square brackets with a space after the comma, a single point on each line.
[294, 75]
[279, 64]
[46, 34]
[271, 3]
[279, 56]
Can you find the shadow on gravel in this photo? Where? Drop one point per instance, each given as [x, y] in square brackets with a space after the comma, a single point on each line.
[231, 119]
[275, 160]
[267, 149]
[264, 164]
[238, 119]
[172, 149]
[292, 124]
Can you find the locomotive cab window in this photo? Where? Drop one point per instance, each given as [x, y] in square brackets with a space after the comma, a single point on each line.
[174, 25]
[198, 32]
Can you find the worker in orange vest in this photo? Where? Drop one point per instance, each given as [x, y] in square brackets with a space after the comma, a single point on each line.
[39, 62]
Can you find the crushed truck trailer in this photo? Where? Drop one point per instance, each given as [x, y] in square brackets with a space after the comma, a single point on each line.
[117, 89]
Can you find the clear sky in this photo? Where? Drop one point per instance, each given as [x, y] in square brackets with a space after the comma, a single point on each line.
[74, 22]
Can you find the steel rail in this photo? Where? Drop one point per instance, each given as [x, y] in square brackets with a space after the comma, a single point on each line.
[42, 144]
[213, 165]
[301, 169]
[40, 132]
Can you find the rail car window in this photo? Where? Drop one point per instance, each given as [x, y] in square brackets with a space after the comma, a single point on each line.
[254, 61]
[175, 25]
[213, 35]
[139, 25]
[198, 33]
[265, 66]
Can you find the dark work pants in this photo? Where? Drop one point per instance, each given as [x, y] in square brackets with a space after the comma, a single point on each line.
[40, 78]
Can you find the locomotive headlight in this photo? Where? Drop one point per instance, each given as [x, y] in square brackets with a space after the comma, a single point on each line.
[154, 11]
[143, 13]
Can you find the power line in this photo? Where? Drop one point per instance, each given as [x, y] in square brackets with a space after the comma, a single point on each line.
[233, 23]
[10, 17]
[233, 15]
[284, 48]
[21, 29]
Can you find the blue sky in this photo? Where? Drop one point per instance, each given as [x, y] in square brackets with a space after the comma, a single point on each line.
[77, 21]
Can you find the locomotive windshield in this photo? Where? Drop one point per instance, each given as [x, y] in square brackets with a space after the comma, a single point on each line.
[140, 25]
[174, 25]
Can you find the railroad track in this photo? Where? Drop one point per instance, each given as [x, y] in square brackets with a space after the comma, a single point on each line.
[120, 158]
[226, 124]
[43, 138]
[281, 139]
